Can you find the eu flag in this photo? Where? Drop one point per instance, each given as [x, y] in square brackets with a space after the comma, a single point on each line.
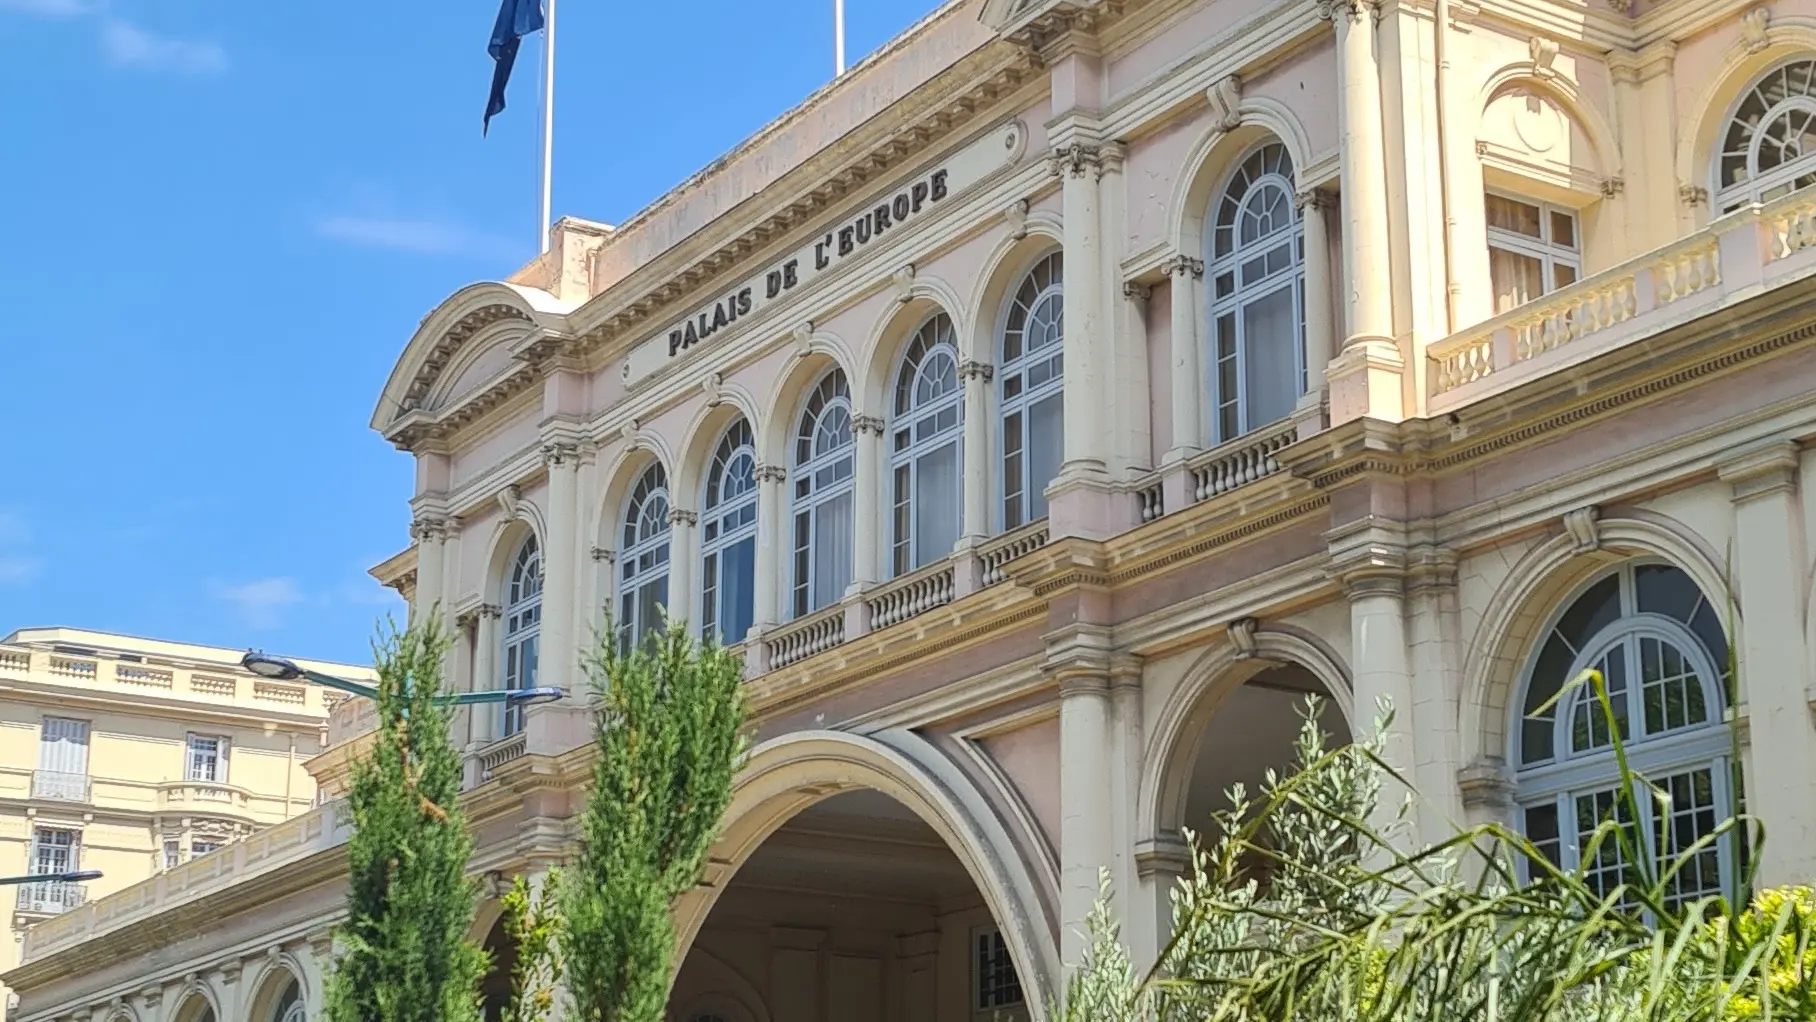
[516, 19]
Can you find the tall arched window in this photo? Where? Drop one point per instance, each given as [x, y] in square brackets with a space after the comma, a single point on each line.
[643, 557]
[1031, 386]
[1658, 643]
[1768, 148]
[924, 447]
[1257, 291]
[290, 1005]
[522, 627]
[824, 464]
[728, 537]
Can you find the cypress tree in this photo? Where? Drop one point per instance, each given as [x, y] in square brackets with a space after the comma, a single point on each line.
[669, 734]
[405, 954]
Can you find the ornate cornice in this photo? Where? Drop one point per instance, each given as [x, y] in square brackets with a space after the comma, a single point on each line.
[449, 345]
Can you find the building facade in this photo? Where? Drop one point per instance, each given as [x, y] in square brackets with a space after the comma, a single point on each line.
[134, 757]
[1047, 407]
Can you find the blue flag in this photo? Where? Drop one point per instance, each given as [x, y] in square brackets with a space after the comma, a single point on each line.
[516, 19]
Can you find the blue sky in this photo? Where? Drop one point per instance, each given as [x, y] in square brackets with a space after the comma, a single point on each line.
[220, 221]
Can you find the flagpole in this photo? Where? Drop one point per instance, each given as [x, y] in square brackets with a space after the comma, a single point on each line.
[838, 36]
[548, 123]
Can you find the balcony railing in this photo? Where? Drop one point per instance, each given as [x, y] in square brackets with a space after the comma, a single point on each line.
[501, 752]
[146, 679]
[917, 593]
[805, 636]
[998, 552]
[1728, 260]
[51, 897]
[63, 787]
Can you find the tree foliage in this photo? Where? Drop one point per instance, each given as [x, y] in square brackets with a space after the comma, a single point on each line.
[405, 950]
[1299, 911]
[532, 921]
[669, 738]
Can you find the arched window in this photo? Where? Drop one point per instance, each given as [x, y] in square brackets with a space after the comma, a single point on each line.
[290, 1005]
[1031, 384]
[728, 537]
[643, 558]
[1257, 283]
[924, 447]
[1768, 148]
[522, 627]
[824, 464]
[1659, 645]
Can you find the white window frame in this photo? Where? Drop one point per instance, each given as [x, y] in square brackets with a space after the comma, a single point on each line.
[1018, 487]
[932, 345]
[521, 653]
[997, 945]
[173, 852]
[1240, 293]
[46, 842]
[290, 1007]
[1739, 140]
[1656, 755]
[197, 849]
[728, 517]
[824, 469]
[1547, 250]
[643, 557]
[192, 746]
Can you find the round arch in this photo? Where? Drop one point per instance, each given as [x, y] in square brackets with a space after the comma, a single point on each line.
[268, 987]
[871, 388]
[1215, 155]
[197, 1003]
[1567, 96]
[1787, 38]
[1521, 607]
[703, 432]
[786, 775]
[734, 997]
[621, 475]
[526, 522]
[814, 356]
[1167, 762]
[1007, 264]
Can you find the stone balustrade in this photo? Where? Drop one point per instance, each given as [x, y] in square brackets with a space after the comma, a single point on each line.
[994, 555]
[915, 593]
[210, 684]
[806, 636]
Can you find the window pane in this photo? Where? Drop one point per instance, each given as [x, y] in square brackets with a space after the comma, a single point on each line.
[1012, 471]
[1689, 818]
[1517, 278]
[1541, 830]
[831, 551]
[1513, 215]
[738, 590]
[1563, 229]
[936, 505]
[1563, 275]
[1270, 336]
[1046, 449]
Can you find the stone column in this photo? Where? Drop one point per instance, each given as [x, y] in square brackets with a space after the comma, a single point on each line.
[1437, 668]
[1365, 380]
[1319, 330]
[1186, 276]
[1080, 168]
[586, 568]
[1081, 668]
[484, 722]
[430, 532]
[978, 473]
[683, 563]
[559, 653]
[1774, 668]
[870, 534]
[770, 606]
[1369, 559]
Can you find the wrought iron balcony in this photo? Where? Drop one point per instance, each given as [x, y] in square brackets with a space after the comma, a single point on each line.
[51, 897]
[56, 784]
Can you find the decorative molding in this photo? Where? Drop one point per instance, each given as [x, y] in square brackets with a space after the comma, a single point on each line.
[1016, 216]
[602, 554]
[862, 424]
[628, 432]
[1136, 289]
[1693, 195]
[430, 528]
[1077, 159]
[1583, 527]
[560, 452]
[681, 517]
[1328, 10]
[712, 388]
[1307, 201]
[509, 499]
[902, 281]
[971, 369]
[1242, 637]
[1761, 471]
[1168, 853]
[1486, 784]
[490, 610]
[1180, 265]
[1754, 28]
[1613, 186]
[770, 473]
[803, 338]
[1544, 52]
[1226, 101]
[1622, 6]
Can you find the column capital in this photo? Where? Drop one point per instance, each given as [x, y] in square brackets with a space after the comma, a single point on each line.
[1431, 569]
[1314, 199]
[1163, 854]
[1136, 290]
[602, 554]
[680, 517]
[862, 424]
[770, 473]
[1330, 10]
[1081, 660]
[561, 453]
[1180, 265]
[1761, 471]
[1368, 557]
[1080, 158]
[430, 528]
[1486, 784]
[972, 369]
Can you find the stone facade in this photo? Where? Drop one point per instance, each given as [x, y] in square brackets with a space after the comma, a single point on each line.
[1052, 402]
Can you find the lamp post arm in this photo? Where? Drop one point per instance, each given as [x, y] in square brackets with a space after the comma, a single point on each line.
[341, 684]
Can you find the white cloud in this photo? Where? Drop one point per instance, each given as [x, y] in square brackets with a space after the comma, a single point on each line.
[423, 237]
[261, 603]
[50, 8]
[127, 45]
[16, 571]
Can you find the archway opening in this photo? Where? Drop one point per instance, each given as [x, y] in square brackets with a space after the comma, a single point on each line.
[495, 989]
[1253, 730]
[854, 910]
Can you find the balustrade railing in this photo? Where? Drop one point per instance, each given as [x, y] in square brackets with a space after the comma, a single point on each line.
[51, 897]
[996, 553]
[70, 667]
[910, 595]
[1150, 501]
[806, 636]
[59, 785]
[146, 677]
[1241, 461]
[503, 751]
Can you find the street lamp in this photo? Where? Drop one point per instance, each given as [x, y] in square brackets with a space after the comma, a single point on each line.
[278, 668]
[71, 877]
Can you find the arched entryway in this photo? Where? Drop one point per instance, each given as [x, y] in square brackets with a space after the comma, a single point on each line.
[860, 879]
[495, 989]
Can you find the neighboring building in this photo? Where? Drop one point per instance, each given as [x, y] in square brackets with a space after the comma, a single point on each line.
[135, 756]
[1052, 401]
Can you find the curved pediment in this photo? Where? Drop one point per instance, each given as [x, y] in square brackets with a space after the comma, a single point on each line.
[463, 344]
